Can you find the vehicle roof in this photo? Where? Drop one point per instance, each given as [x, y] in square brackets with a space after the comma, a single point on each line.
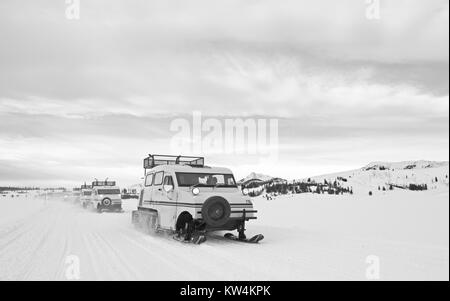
[103, 187]
[188, 168]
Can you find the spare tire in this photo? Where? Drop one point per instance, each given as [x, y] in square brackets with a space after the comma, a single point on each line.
[106, 202]
[216, 211]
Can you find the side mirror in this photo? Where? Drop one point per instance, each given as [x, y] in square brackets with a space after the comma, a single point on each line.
[168, 188]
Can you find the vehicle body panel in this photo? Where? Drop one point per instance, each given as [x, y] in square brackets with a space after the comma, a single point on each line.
[102, 193]
[170, 205]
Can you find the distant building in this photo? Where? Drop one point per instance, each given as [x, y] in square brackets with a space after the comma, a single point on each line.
[134, 189]
[278, 181]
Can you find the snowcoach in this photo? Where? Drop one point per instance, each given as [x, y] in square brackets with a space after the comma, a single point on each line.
[105, 196]
[184, 196]
[85, 195]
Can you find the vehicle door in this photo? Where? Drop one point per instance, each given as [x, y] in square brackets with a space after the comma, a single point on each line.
[165, 200]
[147, 191]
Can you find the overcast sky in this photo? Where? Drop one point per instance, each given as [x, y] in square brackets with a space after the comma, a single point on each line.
[91, 97]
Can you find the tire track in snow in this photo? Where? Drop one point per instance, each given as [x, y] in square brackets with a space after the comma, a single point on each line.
[114, 256]
[49, 251]
[157, 261]
[20, 228]
[22, 250]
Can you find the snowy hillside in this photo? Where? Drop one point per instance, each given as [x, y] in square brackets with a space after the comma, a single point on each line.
[405, 165]
[384, 174]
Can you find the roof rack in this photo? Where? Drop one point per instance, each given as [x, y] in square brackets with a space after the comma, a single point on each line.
[156, 160]
[103, 183]
[85, 186]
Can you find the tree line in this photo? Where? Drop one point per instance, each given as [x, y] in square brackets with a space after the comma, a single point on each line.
[297, 187]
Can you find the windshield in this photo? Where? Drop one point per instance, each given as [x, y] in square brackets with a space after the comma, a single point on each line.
[87, 192]
[207, 180]
[109, 191]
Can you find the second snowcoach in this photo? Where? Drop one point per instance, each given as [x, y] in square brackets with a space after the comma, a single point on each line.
[106, 196]
[182, 195]
[85, 195]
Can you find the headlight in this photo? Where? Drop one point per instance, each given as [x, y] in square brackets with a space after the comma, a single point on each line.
[195, 191]
[245, 191]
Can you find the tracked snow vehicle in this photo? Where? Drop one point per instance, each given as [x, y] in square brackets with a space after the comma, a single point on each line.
[106, 196]
[184, 196]
[85, 195]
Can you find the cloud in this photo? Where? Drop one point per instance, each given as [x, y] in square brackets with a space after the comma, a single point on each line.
[142, 48]
[105, 88]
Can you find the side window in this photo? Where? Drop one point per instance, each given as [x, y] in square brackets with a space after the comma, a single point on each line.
[158, 179]
[168, 181]
[149, 180]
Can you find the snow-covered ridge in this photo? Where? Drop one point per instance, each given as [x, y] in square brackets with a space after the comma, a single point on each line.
[379, 175]
[256, 176]
[373, 178]
[405, 165]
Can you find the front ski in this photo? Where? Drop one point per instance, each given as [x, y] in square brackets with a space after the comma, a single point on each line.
[196, 239]
[255, 239]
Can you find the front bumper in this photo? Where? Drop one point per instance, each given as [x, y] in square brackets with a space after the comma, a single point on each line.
[237, 217]
[237, 214]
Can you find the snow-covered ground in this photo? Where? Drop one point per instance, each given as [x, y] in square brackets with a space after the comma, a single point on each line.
[308, 237]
